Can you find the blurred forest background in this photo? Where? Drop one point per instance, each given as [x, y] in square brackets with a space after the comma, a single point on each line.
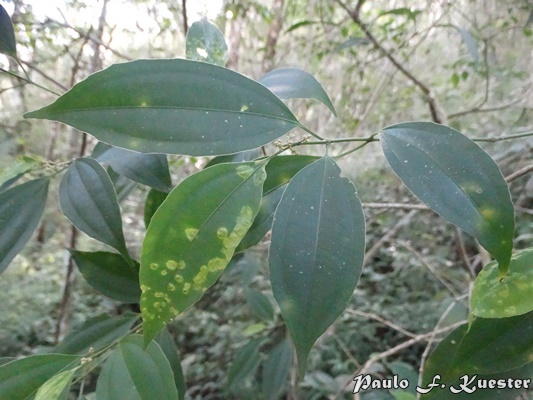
[465, 63]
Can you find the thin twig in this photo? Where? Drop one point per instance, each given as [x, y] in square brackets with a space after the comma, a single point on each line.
[390, 233]
[382, 320]
[517, 174]
[396, 349]
[430, 342]
[435, 109]
[429, 267]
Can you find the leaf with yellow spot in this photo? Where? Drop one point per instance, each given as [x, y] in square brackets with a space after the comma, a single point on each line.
[492, 348]
[493, 297]
[454, 177]
[173, 106]
[192, 237]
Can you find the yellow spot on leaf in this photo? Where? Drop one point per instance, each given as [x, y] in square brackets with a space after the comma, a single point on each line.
[154, 266]
[217, 264]
[244, 171]
[186, 288]
[174, 311]
[242, 224]
[488, 213]
[178, 278]
[244, 108]
[191, 233]
[259, 177]
[145, 288]
[159, 294]
[171, 287]
[222, 233]
[172, 265]
[164, 272]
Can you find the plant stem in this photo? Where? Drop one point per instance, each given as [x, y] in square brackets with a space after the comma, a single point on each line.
[28, 81]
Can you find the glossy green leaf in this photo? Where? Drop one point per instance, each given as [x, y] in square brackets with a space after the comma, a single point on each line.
[205, 42]
[54, 386]
[168, 346]
[456, 179]
[8, 45]
[109, 274]
[279, 171]
[493, 297]
[192, 237]
[276, 371]
[134, 373]
[260, 305]
[96, 333]
[154, 199]
[316, 253]
[21, 208]
[244, 365]
[173, 106]
[147, 169]
[490, 349]
[21, 378]
[123, 186]
[89, 201]
[293, 83]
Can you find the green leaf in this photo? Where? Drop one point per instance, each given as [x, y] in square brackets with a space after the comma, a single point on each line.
[263, 221]
[8, 45]
[132, 372]
[154, 199]
[173, 106]
[493, 297]
[123, 186]
[147, 169]
[316, 253]
[21, 208]
[21, 378]
[260, 305]
[192, 238]
[244, 365]
[97, 333]
[168, 346]
[293, 83]
[53, 388]
[109, 274]
[247, 155]
[89, 201]
[13, 172]
[205, 42]
[276, 371]
[491, 345]
[456, 179]
[280, 171]
[300, 24]
[491, 349]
